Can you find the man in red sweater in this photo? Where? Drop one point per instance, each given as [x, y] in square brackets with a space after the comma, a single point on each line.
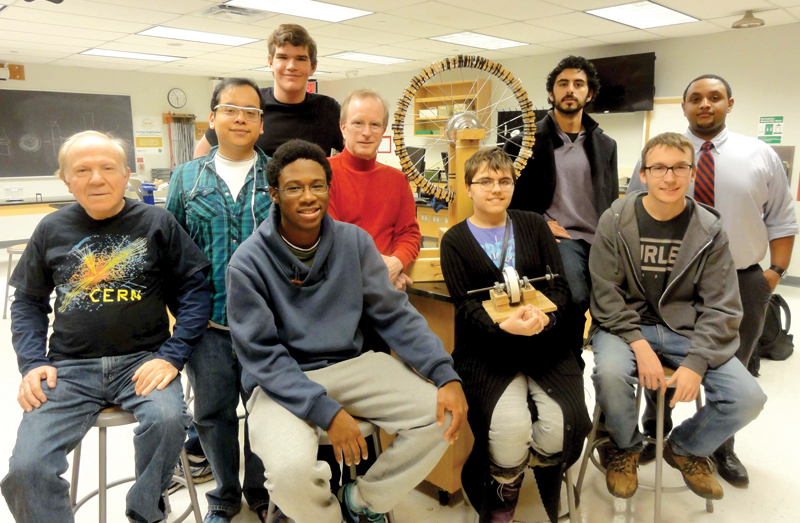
[373, 196]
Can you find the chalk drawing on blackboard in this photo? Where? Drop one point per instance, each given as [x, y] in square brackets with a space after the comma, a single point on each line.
[5, 143]
[30, 143]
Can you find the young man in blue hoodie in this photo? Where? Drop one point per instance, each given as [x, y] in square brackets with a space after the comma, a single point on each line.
[664, 294]
[297, 290]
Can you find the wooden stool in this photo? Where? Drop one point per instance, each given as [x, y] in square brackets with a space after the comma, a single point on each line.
[18, 250]
[367, 429]
[114, 417]
[592, 444]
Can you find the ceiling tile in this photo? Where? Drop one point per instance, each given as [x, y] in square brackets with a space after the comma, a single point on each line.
[584, 5]
[244, 61]
[524, 32]
[436, 13]
[108, 63]
[785, 3]
[715, 8]
[636, 35]
[408, 54]
[50, 39]
[274, 21]
[136, 48]
[260, 52]
[29, 59]
[20, 45]
[771, 18]
[399, 25]
[167, 6]
[109, 10]
[529, 50]
[166, 45]
[361, 34]
[55, 30]
[579, 24]
[690, 29]
[199, 23]
[794, 11]
[7, 55]
[526, 10]
[330, 45]
[74, 21]
[378, 6]
[574, 43]
[443, 49]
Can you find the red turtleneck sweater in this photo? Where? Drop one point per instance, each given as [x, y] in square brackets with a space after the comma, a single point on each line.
[378, 199]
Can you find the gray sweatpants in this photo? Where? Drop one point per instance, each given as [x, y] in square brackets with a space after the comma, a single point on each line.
[376, 387]
[512, 432]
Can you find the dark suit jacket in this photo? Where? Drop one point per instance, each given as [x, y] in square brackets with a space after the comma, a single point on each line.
[537, 182]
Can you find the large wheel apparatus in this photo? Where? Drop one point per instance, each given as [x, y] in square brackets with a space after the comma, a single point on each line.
[476, 75]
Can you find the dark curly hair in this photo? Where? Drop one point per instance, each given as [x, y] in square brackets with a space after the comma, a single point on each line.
[234, 82]
[575, 62]
[292, 151]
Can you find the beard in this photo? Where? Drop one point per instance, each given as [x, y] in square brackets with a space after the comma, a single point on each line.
[577, 107]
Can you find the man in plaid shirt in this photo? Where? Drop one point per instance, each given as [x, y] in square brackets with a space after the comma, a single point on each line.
[220, 199]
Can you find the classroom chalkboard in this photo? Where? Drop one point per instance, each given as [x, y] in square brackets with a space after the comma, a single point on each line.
[34, 124]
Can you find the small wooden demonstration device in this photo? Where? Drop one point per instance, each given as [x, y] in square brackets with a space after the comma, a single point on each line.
[515, 292]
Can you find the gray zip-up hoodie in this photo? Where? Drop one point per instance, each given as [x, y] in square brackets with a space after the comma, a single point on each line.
[701, 299]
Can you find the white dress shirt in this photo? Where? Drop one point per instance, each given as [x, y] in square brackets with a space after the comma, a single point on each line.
[751, 192]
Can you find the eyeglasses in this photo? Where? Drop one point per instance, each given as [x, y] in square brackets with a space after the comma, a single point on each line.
[293, 191]
[374, 127]
[487, 184]
[251, 114]
[659, 171]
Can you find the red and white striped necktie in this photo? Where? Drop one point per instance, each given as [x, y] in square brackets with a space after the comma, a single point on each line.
[704, 181]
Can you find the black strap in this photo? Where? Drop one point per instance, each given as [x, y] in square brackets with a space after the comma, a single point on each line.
[505, 242]
[786, 311]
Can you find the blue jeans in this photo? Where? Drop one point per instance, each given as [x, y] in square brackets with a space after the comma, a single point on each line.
[575, 257]
[215, 375]
[733, 398]
[34, 488]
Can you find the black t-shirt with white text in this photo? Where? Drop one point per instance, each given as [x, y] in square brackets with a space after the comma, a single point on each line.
[113, 278]
[660, 242]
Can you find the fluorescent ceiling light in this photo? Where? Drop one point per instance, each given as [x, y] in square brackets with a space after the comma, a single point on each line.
[132, 56]
[478, 40]
[196, 36]
[369, 58]
[302, 8]
[643, 15]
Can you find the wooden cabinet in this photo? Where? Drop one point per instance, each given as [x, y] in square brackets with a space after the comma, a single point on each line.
[436, 102]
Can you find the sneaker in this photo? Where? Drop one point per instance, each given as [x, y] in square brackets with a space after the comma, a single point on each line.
[201, 472]
[502, 507]
[696, 472]
[622, 477]
[540, 460]
[215, 516]
[352, 514]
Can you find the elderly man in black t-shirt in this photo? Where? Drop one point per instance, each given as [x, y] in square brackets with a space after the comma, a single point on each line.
[116, 265]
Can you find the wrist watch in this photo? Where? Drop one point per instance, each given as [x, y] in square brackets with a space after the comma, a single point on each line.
[781, 272]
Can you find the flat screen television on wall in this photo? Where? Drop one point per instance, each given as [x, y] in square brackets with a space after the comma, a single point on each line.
[627, 83]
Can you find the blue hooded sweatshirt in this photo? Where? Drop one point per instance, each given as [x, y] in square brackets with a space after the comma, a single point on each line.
[281, 329]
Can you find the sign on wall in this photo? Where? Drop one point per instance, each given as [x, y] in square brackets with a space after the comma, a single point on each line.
[770, 129]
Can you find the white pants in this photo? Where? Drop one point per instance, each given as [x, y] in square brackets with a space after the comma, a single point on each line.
[512, 433]
[375, 387]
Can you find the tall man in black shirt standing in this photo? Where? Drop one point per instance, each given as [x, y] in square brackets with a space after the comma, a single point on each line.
[289, 110]
[572, 177]
[115, 265]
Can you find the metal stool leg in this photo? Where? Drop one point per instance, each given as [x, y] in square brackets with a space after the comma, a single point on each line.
[101, 494]
[190, 486]
[573, 508]
[589, 447]
[76, 466]
[659, 455]
[8, 277]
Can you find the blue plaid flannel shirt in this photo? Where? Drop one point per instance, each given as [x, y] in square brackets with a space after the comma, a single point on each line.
[201, 202]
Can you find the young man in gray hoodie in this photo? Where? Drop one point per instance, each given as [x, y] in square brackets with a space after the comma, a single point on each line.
[298, 291]
[665, 295]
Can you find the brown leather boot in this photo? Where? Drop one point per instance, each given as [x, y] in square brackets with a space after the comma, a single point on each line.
[696, 473]
[622, 476]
